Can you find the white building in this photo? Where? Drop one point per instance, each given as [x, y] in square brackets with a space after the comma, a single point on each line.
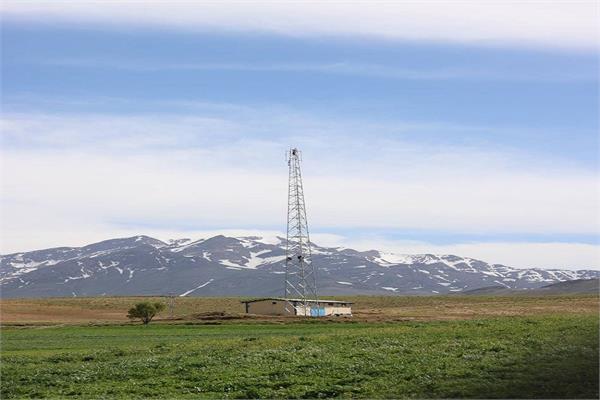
[316, 308]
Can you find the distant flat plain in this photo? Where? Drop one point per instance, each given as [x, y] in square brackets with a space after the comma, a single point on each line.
[393, 347]
[82, 310]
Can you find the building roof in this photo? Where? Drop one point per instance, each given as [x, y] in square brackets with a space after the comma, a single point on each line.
[298, 300]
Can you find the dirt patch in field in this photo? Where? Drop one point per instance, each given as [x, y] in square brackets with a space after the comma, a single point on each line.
[468, 307]
[23, 312]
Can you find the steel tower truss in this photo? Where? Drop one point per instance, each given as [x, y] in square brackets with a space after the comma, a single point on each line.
[300, 273]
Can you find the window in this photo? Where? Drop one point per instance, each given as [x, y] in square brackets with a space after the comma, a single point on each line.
[274, 302]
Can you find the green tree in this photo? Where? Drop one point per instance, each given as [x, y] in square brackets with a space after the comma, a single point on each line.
[145, 311]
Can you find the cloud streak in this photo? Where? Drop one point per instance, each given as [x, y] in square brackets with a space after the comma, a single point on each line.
[547, 24]
[335, 68]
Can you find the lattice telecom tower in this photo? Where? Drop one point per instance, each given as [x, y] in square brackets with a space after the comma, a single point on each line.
[300, 274]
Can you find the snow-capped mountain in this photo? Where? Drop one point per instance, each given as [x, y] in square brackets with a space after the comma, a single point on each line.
[247, 266]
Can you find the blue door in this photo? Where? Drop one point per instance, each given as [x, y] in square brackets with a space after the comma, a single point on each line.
[317, 311]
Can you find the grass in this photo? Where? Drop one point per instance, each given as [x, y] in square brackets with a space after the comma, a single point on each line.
[542, 355]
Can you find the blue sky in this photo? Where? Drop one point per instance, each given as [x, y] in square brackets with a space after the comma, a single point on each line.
[448, 144]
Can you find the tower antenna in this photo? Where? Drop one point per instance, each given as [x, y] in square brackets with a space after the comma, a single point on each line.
[300, 273]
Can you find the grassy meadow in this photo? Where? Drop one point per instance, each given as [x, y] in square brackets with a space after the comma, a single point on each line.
[453, 347]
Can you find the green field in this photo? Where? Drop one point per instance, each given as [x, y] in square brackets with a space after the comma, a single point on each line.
[535, 356]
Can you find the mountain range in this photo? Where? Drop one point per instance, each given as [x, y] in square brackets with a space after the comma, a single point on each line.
[249, 266]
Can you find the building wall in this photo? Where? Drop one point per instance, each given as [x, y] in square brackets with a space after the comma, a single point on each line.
[338, 310]
[266, 307]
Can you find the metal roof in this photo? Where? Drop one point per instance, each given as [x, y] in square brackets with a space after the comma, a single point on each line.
[298, 300]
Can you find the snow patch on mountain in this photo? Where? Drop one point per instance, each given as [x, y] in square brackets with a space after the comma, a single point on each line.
[196, 288]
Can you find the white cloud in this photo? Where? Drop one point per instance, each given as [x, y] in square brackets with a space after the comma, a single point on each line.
[75, 179]
[528, 255]
[555, 24]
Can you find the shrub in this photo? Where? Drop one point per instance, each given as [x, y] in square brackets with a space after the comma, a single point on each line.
[145, 311]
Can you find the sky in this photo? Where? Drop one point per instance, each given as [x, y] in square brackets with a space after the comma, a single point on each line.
[466, 128]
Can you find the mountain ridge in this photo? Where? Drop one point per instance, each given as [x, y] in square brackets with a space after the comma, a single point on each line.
[248, 266]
